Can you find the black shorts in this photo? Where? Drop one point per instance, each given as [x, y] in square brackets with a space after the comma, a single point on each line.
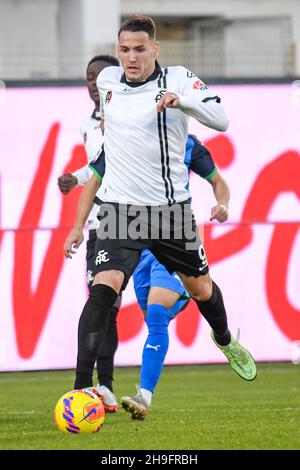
[170, 232]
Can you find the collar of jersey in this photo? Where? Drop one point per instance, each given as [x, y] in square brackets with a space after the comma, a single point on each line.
[153, 76]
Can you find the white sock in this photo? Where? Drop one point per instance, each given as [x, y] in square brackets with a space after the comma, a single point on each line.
[147, 395]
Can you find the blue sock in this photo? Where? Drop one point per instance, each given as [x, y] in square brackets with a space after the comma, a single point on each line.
[156, 345]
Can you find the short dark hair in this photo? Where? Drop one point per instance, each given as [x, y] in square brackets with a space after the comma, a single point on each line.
[104, 58]
[139, 23]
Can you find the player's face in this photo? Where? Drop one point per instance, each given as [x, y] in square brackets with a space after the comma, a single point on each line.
[91, 76]
[137, 53]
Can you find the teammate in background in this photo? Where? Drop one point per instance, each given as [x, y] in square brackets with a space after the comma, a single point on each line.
[154, 285]
[147, 107]
[93, 141]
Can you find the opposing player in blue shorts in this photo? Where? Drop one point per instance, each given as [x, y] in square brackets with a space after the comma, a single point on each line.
[161, 295]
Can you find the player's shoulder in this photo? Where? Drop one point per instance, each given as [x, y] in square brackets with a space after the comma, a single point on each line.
[112, 72]
[180, 71]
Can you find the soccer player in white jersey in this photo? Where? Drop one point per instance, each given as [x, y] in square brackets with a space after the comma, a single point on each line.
[152, 282]
[93, 141]
[146, 110]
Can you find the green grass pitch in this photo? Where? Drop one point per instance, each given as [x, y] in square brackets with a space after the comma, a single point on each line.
[194, 407]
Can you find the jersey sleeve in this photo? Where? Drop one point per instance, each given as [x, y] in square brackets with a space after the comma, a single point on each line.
[83, 174]
[197, 101]
[98, 166]
[201, 161]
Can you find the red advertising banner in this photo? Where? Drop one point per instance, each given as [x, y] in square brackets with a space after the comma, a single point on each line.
[254, 257]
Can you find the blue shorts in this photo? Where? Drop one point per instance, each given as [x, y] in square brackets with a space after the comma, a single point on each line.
[150, 273]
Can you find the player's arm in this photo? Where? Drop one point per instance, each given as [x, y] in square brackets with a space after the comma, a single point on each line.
[67, 182]
[196, 101]
[222, 195]
[85, 205]
[203, 165]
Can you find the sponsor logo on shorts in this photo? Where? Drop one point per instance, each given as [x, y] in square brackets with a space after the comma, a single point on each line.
[101, 257]
[149, 346]
[190, 74]
[160, 95]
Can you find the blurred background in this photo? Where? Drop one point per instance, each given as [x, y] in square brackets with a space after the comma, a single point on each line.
[248, 51]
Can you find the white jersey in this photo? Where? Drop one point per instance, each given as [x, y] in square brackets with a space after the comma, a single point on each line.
[93, 141]
[145, 150]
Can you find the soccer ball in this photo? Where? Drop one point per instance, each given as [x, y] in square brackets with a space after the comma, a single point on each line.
[79, 412]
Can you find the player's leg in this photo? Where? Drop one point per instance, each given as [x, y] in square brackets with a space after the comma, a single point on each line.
[113, 266]
[105, 358]
[209, 299]
[164, 294]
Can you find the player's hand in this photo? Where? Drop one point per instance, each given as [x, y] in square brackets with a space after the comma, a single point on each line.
[219, 213]
[74, 240]
[168, 100]
[67, 182]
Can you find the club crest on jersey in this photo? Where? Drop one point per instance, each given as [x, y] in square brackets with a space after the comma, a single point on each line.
[160, 95]
[108, 96]
[198, 85]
